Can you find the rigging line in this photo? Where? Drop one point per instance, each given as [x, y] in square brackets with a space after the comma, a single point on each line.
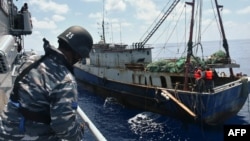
[163, 31]
[218, 26]
[215, 16]
[185, 37]
[159, 52]
[200, 5]
[165, 44]
[170, 35]
[210, 23]
[178, 19]
[198, 27]
[185, 32]
[206, 28]
[153, 23]
[186, 47]
[195, 20]
[167, 28]
[162, 50]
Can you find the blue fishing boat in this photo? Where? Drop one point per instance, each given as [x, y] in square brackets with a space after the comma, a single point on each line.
[127, 73]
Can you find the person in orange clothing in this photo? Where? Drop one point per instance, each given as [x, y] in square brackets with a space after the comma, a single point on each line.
[198, 79]
[209, 80]
[197, 73]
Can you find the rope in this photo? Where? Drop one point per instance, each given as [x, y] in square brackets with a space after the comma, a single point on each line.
[215, 17]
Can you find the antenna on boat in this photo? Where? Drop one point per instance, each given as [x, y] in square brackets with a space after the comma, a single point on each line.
[225, 44]
[103, 29]
[120, 33]
[190, 44]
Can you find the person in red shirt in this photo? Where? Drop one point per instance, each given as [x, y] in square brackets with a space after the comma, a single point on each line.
[198, 79]
[197, 73]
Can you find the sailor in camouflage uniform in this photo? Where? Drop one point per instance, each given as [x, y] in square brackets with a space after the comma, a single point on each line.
[43, 105]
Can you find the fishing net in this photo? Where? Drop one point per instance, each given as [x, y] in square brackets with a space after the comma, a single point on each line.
[178, 65]
[217, 57]
[167, 65]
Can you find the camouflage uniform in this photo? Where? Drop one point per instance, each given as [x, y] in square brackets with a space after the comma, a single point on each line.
[52, 89]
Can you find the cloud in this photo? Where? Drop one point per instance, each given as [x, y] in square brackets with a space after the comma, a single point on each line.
[58, 18]
[226, 11]
[213, 11]
[117, 24]
[145, 9]
[244, 10]
[234, 32]
[44, 24]
[78, 13]
[96, 15]
[50, 6]
[119, 5]
[91, 0]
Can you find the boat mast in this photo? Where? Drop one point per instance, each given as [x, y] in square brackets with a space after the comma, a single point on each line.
[103, 29]
[190, 45]
[225, 44]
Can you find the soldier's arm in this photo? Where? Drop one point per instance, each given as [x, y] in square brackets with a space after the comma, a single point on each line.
[63, 112]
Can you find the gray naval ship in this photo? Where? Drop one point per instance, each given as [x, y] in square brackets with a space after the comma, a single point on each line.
[14, 25]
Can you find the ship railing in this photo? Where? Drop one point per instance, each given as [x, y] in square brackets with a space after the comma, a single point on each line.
[14, 73]
[228, 85]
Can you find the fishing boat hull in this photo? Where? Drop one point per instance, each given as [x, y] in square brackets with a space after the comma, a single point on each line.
[209, 108]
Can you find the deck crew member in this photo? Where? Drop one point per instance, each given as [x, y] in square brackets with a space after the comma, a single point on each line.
[199, 82]
[43, 102]
[209, 80]
[24, 8]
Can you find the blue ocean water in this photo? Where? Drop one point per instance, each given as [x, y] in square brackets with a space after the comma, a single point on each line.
[118, 123]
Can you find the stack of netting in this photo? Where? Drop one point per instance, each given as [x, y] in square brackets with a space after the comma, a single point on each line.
[217, 57]
[167, 65]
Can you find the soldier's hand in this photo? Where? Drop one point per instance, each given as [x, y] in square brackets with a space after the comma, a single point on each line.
[84, 124]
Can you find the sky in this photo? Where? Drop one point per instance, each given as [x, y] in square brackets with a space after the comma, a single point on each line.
[127, 21]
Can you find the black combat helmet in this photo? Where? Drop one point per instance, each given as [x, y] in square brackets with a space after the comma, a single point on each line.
[79, 39]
